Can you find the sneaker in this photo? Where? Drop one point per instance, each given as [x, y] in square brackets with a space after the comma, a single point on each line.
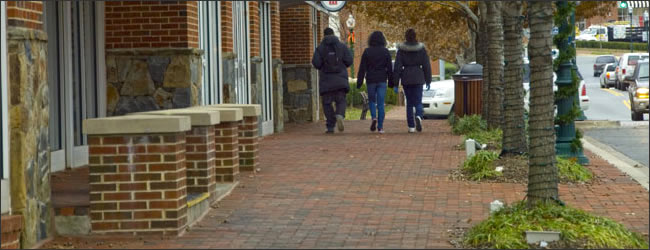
[418, 123]
[329, 131]
[339, 123]
[373, 125]
[411, 130]
[381, 130]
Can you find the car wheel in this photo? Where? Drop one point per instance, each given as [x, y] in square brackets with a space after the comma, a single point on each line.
[637, 116]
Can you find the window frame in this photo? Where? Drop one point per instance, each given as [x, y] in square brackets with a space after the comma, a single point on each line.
[4, 116]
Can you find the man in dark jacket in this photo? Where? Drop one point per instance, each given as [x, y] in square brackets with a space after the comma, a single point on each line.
[413, 68]
[332, 58]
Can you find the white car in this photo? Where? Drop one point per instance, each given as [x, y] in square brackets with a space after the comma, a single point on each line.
[625, 68]
[438, 100]
[582, 89]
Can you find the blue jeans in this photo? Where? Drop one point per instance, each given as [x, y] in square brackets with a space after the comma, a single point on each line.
[413, 100]
[376, 97]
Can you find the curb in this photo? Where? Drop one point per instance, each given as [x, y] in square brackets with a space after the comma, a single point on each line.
[591, 124]
[634, 169]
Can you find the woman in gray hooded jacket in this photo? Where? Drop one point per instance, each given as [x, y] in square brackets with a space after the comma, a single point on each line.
[413, 69]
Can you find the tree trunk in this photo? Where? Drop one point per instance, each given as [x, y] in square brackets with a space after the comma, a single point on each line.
[481, 58]
[495, 62]
[514, 134]
[542, 172]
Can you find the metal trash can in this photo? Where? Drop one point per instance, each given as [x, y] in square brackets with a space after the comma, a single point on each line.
[468, 87]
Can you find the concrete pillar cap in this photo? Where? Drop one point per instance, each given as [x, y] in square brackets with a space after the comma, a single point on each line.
[136, 124]
[249, 109]
[198, 117]
[226, 114]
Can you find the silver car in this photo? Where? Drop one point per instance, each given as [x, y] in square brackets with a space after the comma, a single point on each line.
[608, 77]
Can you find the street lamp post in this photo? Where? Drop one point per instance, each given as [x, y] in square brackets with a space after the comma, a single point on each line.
[350, 23]
[629, 10]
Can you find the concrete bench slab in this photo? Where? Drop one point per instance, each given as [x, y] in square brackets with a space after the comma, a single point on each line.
[248, 109]
[198, 117]
[136, 124]
[225, 114]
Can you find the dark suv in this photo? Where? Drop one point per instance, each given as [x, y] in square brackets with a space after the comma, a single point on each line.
[600, 63]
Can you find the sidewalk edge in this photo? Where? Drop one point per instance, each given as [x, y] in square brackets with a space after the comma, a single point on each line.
[619, 160]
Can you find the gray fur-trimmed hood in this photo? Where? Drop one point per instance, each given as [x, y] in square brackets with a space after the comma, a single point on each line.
[410, 47]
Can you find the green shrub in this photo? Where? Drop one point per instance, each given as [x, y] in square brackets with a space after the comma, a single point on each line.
[353, 98]
[480, 165]
[505, 229]
[450, 69]
[492, 137]
[612, 45]
[469, 123]
[569, 169]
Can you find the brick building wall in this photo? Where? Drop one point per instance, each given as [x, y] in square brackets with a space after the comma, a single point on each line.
[12, 226]
[296, 36]
[25, 14]
[254, 28]
[156, 24]
[226, 27]
[275, 30]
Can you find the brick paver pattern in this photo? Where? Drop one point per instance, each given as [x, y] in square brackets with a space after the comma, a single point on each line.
[359, 189]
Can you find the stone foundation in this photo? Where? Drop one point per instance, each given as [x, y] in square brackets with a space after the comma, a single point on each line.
[29, 129]
[300, 92]
[152, 79]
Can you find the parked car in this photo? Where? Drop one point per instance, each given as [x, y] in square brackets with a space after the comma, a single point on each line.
[600, 63]
[638, 90]
[582, 88]
[625, 68]
[607, 78]
[438, 100]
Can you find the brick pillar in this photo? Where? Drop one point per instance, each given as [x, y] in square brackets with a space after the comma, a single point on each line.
[137, 183]
[227, 151]
[12, 226]
[248, 144]
[200, 153]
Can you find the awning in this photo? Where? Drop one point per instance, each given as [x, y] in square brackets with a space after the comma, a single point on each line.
[638, 4]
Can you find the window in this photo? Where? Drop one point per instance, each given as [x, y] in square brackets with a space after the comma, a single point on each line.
[210, 43]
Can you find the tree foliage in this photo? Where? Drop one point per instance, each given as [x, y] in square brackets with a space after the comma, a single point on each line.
[587, 9]
[445, 27]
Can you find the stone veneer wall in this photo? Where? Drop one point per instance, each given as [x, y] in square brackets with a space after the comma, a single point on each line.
[29, 129]
[278, 93]
[300, 92]
[152, 79]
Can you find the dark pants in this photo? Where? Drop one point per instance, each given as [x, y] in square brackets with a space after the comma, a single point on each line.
[328, 98]
[413, 100]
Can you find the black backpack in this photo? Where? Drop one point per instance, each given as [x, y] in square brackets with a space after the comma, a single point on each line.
[332, 61]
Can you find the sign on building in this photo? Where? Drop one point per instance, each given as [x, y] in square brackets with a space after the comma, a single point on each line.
[332, 6]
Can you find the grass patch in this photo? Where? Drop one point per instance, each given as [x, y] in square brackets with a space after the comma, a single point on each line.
[492, 138]
[570, 170]
[480, 166]
[468, 124]
[505, 229]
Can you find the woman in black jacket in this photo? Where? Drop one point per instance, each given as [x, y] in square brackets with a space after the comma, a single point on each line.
[376, 68]
[413, 68]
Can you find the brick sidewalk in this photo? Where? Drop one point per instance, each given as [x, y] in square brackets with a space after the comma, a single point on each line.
[362, 190]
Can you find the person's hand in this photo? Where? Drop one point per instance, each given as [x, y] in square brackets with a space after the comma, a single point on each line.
[428, 86]
[395, 89]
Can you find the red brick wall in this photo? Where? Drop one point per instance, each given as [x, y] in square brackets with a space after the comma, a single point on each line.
[296, 36]
[12, 226]
[25, 14]
[151, 24]
[275, 30]
[226, 26]
[254, 31]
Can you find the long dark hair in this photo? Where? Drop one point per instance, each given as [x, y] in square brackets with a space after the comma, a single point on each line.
[410, 37]
[377, 39]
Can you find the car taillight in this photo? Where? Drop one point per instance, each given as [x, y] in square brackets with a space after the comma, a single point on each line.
[623, 71]
[594, 66]
[607, 75]
[584, 90]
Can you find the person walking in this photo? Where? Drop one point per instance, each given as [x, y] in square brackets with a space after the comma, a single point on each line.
[332, 58]
[376, 67]
[413, 69]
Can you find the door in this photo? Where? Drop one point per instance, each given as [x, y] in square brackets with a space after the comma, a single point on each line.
[210, 43]
[75, 76]
[241, 45]
[267, 68]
